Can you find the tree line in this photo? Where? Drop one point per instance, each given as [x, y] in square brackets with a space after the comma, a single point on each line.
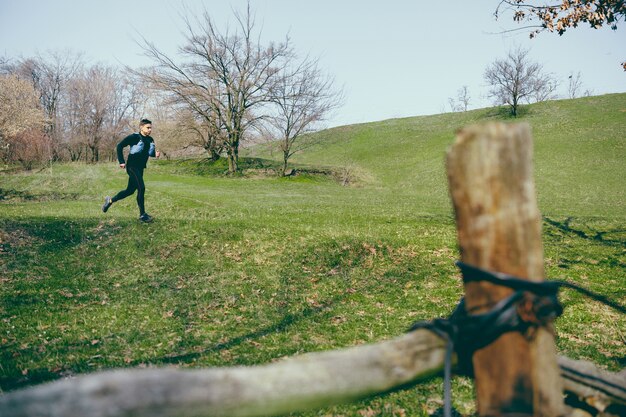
[57, 108]
[223, 89]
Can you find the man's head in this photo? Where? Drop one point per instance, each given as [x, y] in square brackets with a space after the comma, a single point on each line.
[145, 127]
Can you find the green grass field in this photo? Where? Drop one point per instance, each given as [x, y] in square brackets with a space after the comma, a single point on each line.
[244, 270]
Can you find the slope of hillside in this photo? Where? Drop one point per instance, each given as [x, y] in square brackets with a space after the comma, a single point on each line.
[580, 147]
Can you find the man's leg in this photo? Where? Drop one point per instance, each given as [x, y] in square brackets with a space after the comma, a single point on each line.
[130, 188]
[141, 191]
[137, 173]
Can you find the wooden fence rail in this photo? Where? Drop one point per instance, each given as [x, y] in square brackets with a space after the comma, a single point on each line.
[296, 384]
[300, 383]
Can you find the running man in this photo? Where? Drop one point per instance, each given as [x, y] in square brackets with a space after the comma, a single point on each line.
[141, 147]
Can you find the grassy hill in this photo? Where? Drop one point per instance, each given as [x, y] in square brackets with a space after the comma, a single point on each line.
[240, 271]
[579, 146]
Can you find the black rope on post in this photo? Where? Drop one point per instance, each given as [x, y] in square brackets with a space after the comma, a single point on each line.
[472, 273]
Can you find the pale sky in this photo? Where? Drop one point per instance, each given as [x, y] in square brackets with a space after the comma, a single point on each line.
[394, 58]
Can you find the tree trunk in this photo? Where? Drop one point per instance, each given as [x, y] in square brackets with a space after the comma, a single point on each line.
[232, 161]
[94, 153]
[233, 151]
[499, 229]
[236, 156]
[285, 161]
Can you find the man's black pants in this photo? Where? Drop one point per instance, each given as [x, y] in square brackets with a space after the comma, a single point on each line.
[135, 183]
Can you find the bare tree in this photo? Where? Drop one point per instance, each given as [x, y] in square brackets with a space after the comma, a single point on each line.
[49, 75]
[574, 85]
[206, 132]
[302, 97]
[30, 147]
[462, 100]
[100, 103]
[85, 108]
[463, 97]
[454, 107]
[516, 79]
[187, 131]
[224, 75]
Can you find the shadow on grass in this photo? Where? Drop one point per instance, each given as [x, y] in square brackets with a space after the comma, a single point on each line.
[44, 244]
[52, 239]
[35, 252]
[42, 375]
[286, 322]
[33, 377]
[329, 260]
[598, 236]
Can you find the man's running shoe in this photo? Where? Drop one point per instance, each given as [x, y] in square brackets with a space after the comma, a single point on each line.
[107, 204]
[146, 218]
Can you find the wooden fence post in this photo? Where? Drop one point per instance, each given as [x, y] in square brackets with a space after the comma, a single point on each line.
[499, 229]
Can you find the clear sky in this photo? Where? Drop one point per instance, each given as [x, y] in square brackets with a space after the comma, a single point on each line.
[394, 58]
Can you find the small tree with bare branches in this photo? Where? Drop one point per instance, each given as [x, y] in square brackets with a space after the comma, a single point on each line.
[461, 103]
[100, 103]
[516, 79]
[574, 85]
[302, 98]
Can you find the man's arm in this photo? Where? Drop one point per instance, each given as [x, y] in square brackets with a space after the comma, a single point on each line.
[120, 150]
